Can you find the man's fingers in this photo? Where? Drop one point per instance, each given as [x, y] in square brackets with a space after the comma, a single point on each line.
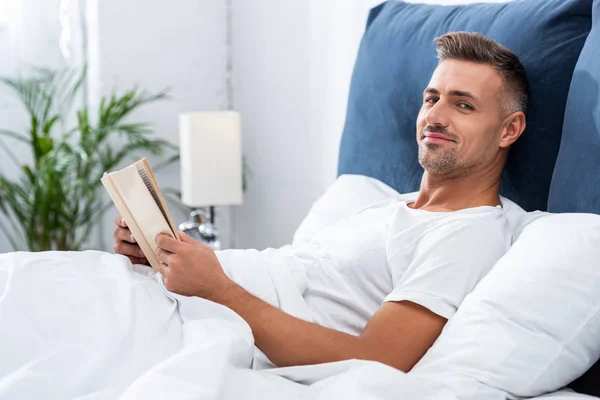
[186, 238]
[163, 269]
[168, 243]
[164, 256]
[124, 234]
[128, 249]
[119, 221]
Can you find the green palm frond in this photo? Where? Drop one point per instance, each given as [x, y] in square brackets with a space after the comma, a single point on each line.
[56, 198]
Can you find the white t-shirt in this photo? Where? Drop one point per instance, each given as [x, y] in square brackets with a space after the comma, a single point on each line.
[390, 252]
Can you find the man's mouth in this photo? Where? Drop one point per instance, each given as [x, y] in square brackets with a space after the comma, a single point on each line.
[436, 138]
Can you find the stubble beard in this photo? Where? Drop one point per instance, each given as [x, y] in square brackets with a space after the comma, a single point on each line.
[437, 160]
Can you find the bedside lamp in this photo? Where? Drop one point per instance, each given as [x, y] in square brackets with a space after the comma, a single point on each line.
[211, 169]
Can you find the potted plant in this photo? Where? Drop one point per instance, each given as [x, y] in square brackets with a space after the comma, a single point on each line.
[53, 203]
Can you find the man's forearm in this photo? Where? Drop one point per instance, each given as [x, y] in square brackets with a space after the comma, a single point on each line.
[287, 340]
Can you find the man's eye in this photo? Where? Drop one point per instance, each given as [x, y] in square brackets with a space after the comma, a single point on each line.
[466, 106]
[431, 100]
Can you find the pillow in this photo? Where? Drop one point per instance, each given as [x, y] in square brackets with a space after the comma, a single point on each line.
[347, 196]
[580, 145]
[531, 325]
[395, 62]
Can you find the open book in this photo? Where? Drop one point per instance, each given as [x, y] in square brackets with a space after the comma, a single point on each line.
[141, 203]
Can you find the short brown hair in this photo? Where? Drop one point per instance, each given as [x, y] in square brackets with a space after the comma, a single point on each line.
[471, 46]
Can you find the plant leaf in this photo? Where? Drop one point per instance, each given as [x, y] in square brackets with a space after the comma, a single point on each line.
[14, 135]
[11, 155]
[167, 162]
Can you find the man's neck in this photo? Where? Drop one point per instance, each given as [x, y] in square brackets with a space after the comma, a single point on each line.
[452, 193]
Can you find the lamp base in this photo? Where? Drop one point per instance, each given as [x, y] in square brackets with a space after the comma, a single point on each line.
[201, 227]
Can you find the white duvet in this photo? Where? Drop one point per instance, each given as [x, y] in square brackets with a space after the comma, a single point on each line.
[88, 326]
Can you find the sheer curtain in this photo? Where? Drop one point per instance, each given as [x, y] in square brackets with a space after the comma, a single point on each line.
[40, 33]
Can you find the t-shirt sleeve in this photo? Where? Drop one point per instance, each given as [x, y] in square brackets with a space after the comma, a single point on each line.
[446, 265]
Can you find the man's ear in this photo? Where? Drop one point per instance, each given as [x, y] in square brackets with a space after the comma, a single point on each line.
[514, 125]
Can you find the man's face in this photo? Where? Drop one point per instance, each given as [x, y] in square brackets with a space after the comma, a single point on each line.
[460, 122]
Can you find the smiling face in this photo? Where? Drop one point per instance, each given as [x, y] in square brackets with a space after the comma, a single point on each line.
[461, 122]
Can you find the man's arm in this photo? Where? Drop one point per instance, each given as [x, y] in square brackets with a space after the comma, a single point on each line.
[398, 335]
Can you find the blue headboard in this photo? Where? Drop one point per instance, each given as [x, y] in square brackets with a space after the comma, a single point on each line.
[396, 59]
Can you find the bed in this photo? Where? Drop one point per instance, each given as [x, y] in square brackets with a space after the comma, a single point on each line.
[88, 325]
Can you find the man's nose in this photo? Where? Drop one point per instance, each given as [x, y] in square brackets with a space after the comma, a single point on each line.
[437, 115]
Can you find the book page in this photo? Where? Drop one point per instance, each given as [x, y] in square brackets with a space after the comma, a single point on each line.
[149, 180]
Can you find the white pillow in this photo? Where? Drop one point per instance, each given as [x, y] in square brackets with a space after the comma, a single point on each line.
[348, 195]
[532, 325]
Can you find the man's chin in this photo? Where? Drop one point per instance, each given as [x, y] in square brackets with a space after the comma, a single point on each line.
[432, 146]
[436, 163]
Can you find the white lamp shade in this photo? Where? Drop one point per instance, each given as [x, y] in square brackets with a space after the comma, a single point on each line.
[211, 158]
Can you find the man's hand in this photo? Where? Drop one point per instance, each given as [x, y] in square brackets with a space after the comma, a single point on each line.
[191, 268]
[125, 243]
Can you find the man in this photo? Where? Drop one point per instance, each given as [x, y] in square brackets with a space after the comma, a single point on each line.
[386, 293]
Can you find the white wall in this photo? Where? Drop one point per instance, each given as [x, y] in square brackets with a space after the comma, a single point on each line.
[271, 80]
